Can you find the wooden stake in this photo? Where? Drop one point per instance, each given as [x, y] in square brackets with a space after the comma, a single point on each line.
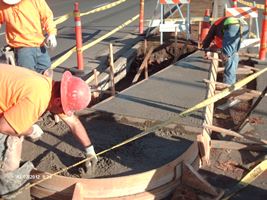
[146, 64]
[96, 94]
[176, 45]
[78, 192]
[199, 32]
[111, 65]
[142, 65]
[145, 46]
[233, 133]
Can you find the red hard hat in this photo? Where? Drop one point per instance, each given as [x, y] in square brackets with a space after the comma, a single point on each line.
[74, 92]
[11, 2]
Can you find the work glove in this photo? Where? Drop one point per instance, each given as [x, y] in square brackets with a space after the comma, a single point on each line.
[37, 133]
[51, 41]
[90, 164]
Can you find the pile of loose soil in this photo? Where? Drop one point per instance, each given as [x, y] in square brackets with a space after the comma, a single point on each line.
[58, 149]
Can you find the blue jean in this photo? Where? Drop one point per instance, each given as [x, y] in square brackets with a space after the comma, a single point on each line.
[34, 58]
[231, 45]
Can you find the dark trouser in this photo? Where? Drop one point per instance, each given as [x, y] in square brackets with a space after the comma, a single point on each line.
[34, 58]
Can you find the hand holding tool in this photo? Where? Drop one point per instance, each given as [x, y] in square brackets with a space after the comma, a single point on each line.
[51, 41]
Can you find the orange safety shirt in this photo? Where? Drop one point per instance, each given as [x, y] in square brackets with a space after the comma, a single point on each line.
[26, 21]
[24, 96]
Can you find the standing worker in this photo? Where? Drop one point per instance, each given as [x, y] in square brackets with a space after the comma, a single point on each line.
[26, 21]
[24, 97]
[227, 34]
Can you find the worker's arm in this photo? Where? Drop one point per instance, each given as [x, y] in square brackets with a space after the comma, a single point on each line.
[19, 118]
[79, 132]
[6, 129]
[77, 129]
[209, 38]
[46, 16]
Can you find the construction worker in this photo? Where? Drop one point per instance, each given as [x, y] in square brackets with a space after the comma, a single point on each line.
[24, 97]
[226, 33]
[26, 22]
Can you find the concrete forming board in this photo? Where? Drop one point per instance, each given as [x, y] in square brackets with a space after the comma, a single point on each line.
[165, 93]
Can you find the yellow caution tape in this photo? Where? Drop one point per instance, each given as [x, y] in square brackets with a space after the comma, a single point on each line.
[250, 4]
[249, 178]
[223, 93]
[63, 18]
[71, 51]
[63, 58]
[110, 33]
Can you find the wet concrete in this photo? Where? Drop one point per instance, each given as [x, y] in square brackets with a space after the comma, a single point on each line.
[165, 94]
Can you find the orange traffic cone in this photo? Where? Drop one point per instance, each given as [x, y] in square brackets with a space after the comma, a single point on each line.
[205, 27]
[262, 53]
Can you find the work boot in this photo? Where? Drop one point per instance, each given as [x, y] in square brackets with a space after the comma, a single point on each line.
[12, 182]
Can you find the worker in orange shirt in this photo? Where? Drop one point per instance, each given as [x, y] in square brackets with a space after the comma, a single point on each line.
[24, 96]
[26, 22]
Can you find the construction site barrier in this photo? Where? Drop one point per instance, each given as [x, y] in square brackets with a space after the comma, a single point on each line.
[250, 13]
[243, 12]
[153, 128]
[250, 4]
[174, 1]
[63, 18]
[71, 51]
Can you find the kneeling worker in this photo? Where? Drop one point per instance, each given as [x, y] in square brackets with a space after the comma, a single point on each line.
[24, 96]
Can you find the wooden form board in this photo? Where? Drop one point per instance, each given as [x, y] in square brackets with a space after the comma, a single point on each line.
[204, 139]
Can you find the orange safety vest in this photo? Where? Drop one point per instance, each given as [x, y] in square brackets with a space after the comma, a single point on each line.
[26, 22]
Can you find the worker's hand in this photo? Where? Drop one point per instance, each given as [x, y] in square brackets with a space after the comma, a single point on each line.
[91, 163]
[87, 170]
[51, 41]
[224, 57]
[37, 133]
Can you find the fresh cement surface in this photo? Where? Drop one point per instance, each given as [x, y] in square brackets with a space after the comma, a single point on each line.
[165, 94]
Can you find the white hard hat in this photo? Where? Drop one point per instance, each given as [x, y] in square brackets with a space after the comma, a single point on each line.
[11, 2]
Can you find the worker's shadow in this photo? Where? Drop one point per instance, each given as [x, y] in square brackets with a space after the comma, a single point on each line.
[56, 156]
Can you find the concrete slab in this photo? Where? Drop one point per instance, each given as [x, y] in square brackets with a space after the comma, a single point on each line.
[164, 94]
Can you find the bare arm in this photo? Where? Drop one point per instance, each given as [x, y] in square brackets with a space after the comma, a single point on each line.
[77, 129]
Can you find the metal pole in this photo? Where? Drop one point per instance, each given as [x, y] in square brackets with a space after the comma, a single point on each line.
[188, 22]
[256, 22]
